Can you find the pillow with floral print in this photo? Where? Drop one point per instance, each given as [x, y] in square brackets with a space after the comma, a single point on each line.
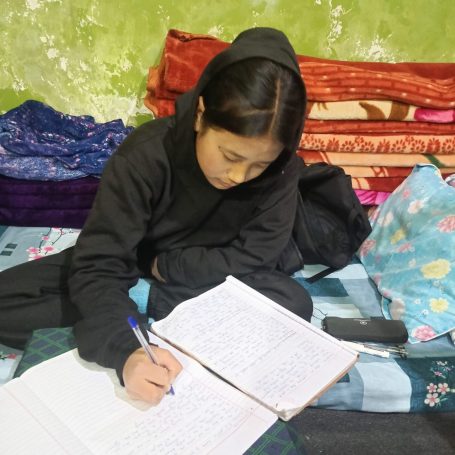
[410, 254]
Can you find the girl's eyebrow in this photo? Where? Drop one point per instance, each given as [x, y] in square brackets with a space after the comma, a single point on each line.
[240, 157]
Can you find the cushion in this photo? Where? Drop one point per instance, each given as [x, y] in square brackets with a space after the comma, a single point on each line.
[410, 254]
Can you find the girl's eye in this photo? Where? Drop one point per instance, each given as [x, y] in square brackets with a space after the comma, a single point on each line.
[227, 158]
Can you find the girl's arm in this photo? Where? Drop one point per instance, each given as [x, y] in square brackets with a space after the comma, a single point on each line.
[105, 265]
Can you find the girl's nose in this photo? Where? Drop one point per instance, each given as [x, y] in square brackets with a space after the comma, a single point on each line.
[238, 173]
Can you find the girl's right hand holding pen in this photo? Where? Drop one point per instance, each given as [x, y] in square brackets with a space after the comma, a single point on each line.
[147, 381]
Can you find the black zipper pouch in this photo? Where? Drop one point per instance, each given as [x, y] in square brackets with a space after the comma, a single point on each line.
[364, 329]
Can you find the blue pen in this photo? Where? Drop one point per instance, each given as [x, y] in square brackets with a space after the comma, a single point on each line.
[148, 350]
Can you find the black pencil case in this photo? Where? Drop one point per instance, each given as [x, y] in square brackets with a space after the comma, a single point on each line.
[363, 329]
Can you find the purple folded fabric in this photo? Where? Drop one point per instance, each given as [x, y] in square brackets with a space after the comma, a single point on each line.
[31, 203]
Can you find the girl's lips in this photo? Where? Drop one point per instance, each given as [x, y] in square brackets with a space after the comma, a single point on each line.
[225, 184]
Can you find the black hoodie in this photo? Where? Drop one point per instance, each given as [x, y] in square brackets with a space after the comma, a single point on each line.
[154, 201]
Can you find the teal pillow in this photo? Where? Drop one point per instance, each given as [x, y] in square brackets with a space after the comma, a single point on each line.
[410, 254]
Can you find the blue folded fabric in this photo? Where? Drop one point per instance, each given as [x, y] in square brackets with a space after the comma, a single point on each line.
[40, 143]
[140, 294]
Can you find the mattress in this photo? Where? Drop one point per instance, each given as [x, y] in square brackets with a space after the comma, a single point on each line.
[424, 381]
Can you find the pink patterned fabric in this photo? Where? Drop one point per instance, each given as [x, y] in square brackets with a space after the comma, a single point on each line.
[447, 162]
[393, 143]
[376, 110]
[385, 127]
[434, 115]
[368, 197]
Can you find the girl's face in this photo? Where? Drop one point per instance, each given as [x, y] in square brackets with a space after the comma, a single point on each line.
[227, 160]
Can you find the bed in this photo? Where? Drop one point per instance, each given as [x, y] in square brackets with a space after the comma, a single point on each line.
[375, 384]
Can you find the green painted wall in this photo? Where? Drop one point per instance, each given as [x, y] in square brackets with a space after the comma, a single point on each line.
[92, 56]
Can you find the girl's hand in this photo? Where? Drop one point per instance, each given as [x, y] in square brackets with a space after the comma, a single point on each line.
[155, 272]
[149, 382]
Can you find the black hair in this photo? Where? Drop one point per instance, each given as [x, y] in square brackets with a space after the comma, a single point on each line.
[256, 97]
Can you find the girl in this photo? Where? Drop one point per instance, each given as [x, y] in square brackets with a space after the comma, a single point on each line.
[185, 200]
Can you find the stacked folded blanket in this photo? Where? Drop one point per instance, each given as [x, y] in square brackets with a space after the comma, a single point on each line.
[405, 117]
[376, 120]
[50, 164]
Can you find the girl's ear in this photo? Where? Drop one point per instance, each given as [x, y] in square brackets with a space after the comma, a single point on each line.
[199, 111]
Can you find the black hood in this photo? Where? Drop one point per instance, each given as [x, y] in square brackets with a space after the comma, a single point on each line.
[261, 42]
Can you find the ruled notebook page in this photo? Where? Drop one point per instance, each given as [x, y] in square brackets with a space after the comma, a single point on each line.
[204, 415]
[257, 345]
[23, 432]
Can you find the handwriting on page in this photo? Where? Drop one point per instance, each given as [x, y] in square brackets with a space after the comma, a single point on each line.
[178, 425]
[248, 347]
[306, 358]
[88, 401]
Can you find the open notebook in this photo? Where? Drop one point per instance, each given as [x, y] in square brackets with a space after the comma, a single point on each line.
[67, 405]
[264, 350]
[278, 363]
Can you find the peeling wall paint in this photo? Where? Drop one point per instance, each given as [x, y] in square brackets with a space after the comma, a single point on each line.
[91, 56]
